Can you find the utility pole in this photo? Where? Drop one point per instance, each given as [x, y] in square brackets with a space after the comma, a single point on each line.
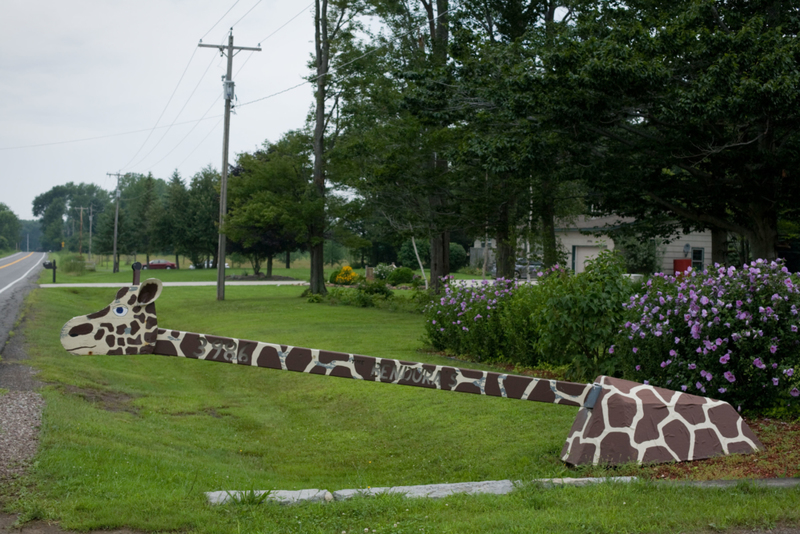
[80, 240]
[223, 192]
[116, 222]
[90, 232]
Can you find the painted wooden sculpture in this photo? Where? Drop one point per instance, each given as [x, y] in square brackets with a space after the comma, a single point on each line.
[618, 421]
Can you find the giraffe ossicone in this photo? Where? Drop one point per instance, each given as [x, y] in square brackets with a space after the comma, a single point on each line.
[618, 421]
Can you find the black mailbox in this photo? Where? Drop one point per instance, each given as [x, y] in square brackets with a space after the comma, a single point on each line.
[48, 265]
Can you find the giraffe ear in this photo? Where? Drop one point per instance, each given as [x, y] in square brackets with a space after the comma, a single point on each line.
[149, 291]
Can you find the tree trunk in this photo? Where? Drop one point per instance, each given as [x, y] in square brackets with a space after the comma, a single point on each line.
[317, 228]
[269, 266]
[504, 256]
[719, 246]
[288, 260]
[547, 211]
[177, 261]
[440, 258]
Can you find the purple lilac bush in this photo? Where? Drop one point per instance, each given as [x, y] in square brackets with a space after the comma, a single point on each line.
[725, 333]
[490, 321]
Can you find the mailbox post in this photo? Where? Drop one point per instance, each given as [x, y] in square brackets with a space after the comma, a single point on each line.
[51, 265]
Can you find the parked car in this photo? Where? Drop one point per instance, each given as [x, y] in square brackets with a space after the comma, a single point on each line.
[159, 264]
[519, 268]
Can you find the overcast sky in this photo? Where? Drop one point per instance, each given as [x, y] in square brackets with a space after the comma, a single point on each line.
[78, 69]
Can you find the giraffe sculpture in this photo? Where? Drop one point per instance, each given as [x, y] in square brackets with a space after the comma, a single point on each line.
[618, 422]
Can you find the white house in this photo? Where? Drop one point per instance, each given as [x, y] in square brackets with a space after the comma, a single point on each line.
[583, 239]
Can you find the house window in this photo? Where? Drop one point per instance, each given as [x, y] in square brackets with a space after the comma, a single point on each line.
[698, 255]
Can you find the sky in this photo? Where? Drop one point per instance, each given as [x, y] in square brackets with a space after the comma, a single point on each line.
[92, 87]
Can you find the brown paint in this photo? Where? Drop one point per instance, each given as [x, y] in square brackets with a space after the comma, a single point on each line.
[81, 329]
[98, 314]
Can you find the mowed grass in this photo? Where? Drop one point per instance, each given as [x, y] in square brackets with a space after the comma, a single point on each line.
[300, 270]
[136, 440]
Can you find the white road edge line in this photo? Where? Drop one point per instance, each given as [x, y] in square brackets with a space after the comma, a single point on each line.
[22, 277]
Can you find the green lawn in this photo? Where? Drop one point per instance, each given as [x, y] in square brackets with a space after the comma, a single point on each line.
[136, 440]
[299, 270]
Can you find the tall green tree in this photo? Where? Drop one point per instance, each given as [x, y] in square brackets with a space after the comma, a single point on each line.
[10, 228]
[273, 205]
[60, 216]
[693, 106]
[335, 22]
[171, 221]
[203, 211]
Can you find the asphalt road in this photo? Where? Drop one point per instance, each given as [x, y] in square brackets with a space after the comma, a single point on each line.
[18, 274]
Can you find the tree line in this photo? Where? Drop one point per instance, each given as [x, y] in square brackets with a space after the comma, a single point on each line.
[462, 119]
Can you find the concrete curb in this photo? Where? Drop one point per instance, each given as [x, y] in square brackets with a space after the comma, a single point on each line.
[279, 496]
[431, 491]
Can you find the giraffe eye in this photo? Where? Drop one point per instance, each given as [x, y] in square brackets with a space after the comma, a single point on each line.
[120, 311]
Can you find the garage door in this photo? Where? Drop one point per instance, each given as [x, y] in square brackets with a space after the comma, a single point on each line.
[582, 254]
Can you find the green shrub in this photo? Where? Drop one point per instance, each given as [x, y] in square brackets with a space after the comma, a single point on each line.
[350, 296]
[406, 255]
[580, 314]
[490, 322]
[333, 276]
[567, 319]
[458, 257]
[375, 287]
[727, 333]
[401, 275]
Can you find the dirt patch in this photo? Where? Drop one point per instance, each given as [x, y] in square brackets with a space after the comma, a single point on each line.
[111, 401]
[779, 459]
[41, 527]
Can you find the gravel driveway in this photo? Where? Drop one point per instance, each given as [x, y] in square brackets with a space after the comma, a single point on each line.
[20, 404]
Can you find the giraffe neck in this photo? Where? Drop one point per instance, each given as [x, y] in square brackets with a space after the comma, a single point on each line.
[344, 365]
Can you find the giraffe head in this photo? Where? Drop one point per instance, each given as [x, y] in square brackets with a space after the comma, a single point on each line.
[126, 326]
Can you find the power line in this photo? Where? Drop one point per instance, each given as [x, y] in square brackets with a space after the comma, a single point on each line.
[273, 33]
[220, 20]
[243, 16]
[178, 115]
[201, 142]
[184, 137]
[106, 136]
[165, 108]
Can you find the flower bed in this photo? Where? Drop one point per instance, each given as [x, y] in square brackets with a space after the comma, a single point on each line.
[727, 333]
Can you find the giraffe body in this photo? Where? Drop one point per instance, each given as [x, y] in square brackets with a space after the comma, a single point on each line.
[618, 422]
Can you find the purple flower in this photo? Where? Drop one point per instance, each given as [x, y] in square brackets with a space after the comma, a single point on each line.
[773, 349]
[729, 377]
[775, 381]
[673, 353]
[789, 372]
[635, 350]
[611, 349]
[698, 385]
[638, 367]
[722, 390]
[794, 328]
[724, 359]
[758, 363]
[692, 366]
[684, 388]
[677, 340]
[795, 392]
[646, 382]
